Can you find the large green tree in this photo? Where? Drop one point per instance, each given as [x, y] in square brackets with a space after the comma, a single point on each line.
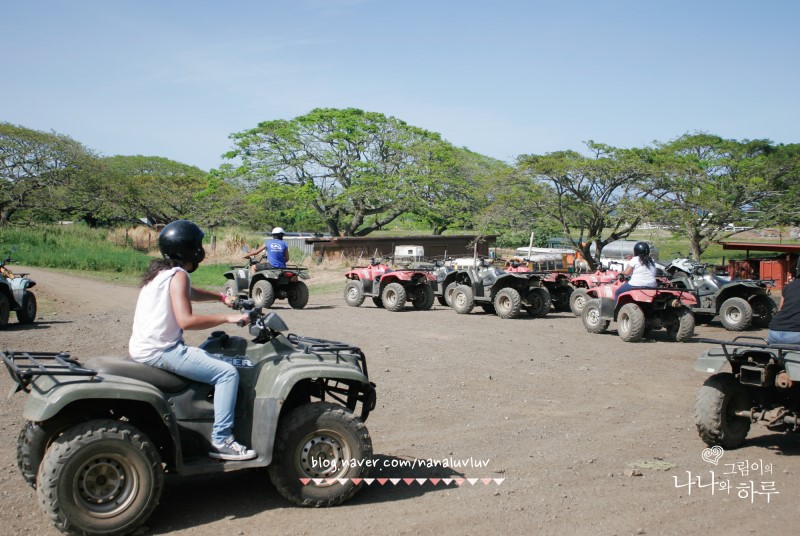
[164, 190]
[710, 184]
[454, 187]
[358, 170]
[35, 168]
[513, 210]
[781, 205]
[600, 197]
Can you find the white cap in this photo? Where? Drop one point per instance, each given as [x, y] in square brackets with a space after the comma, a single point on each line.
[278, 230]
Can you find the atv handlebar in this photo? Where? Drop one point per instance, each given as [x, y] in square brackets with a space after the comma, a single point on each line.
[247, 307]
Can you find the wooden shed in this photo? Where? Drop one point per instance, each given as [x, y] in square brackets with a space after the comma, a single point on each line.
[778, 266]
[369, 246]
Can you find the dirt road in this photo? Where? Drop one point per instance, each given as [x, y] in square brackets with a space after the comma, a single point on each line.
[553, 429]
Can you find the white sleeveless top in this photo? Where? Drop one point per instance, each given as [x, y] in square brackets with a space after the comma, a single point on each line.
[642, 276]
[155, 328]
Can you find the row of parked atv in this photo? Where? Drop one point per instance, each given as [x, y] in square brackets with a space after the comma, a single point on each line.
[461, 284]
[687, 293]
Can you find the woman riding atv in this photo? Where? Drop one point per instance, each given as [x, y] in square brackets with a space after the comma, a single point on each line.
[164, 310]
[641, 270]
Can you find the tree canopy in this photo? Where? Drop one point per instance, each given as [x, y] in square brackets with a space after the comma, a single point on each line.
[358, 170]
[34, 166]
[352, 172]
[710, 185]
[600, 198]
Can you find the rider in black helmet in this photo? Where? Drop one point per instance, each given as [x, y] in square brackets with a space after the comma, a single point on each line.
[182, 240]
[785, 325]
[164, 310]
[641, 270]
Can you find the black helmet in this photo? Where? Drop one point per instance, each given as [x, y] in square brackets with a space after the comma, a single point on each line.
[641, 248]
[182, 240]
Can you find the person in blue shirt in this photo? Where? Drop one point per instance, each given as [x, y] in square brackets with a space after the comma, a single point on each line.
[277, 252]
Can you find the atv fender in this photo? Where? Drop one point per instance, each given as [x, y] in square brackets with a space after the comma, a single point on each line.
[51, 394]
[19, 286]
[739, 289]
[272, 392]
[277, 383]
[239, 275]
[607, 311]
[711, 361]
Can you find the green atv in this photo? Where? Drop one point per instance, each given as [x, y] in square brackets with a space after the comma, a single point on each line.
[268, 284]
[100, 436]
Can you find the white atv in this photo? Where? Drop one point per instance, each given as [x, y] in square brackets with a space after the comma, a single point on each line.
[740, 303]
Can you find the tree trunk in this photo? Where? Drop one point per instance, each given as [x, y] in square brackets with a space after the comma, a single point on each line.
[333, 227]
[695, 243]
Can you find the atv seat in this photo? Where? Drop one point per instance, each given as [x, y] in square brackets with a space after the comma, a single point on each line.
[128, 368]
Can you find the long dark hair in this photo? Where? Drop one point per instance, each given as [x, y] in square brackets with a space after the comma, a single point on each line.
[647, 260]
[156, 266]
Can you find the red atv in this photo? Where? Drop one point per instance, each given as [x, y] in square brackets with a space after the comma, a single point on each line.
[556, 283]
[389, 288]
[640, 310]
[583, 282]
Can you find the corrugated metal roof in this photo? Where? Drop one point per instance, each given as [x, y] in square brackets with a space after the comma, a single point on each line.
[762, 246]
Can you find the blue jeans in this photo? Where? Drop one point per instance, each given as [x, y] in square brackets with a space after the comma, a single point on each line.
[198, 365]
[783, 337]
[625, 287]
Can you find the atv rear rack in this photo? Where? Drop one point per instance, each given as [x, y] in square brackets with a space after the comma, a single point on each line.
[752, 342]
[24, 367]
[310, 345]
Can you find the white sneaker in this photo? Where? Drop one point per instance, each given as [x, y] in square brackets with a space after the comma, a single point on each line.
[231, 450]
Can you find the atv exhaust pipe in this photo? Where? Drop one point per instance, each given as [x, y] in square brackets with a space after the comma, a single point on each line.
[782, 381]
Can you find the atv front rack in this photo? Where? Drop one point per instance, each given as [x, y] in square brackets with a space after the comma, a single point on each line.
[310, 345]
[24, 367]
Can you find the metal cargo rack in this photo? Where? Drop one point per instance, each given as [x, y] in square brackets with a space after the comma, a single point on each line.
[310, 345]
[752, 342]
[24, 367]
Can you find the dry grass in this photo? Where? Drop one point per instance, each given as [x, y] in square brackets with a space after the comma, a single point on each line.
[141, 238]
[225, 250]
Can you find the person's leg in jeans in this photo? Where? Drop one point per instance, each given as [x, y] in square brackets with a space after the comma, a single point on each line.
[198, 365]
[625, 287]
[783, 337]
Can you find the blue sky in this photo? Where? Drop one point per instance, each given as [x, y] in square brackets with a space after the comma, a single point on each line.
[504, 78]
